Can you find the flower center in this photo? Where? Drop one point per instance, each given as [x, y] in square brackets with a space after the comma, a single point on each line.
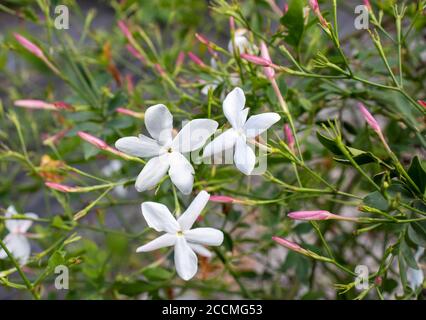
[179, 233]
[169, 150]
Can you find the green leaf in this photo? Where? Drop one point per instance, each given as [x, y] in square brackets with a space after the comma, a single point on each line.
[417, 233]
[294, 22]
[157, 274]
[418, 174]
[408, 255]
[376, 200]
[329, 144]
[227, 241]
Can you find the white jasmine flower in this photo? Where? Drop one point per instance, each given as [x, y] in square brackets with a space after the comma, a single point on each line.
[16, 241]
[180, 235]
[166, 152]
[242, 131]
[242, 43]
[415, 277]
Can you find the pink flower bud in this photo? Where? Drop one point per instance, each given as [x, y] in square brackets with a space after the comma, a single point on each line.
[422, 103]
[232, 24]
[311, 215]
[202, 39]
[268, 71]
[61, 187]
[367, 4]
[55, 138]
[160, 69]
[31, 47]
[35, 104]
[98, 143]
[369, 118]
[180, 59]
[223, 199]
[289, 245]
[256, 60]
[285, 9]
[315, 7]
[124, 29]
[196, 59]
[132, 50]
[63, 105]
[289, 137]
[131, 113]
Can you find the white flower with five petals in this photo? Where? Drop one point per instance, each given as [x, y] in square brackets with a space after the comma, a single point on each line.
[242, 131]
[166, 152]
[180, 235]
[16, 241]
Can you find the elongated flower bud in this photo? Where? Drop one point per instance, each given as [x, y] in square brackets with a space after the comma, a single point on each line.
[422, 103]
[202, 39]
[131, 113]
[231, 24]
[98, 143]
[289, 245]
[316, 9]
[367, 4]
[370, 119]
[160, 69]
[61, 187]
[132, 50]
[289, 137]
[124, 29]
[35, 104]
[63, 106]
[196, 59]
[180, 59]
[256, 60]
[268, 71]
[31, 47]
[224, 199]
[317, 215]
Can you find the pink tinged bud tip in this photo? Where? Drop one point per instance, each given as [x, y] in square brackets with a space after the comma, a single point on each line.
[159, 69]
[132, 50]
[231, 23]
[196, 59]
[35, 104]
[222, 199]
[315, 7]
[311, 215]
[129, 112]
[256, 60]
[269, 72]
[369, 118]
[93, 140]
[60, 187]
[422, 103]
[202, 39]
[124, 29]
[288, 244]
[180, 59]
[31, 47]
[289, 136]
[367, 4]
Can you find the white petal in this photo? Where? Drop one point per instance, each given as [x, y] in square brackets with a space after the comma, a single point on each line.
[186, 261]
[18, 246]
[11, 225]
[257, 124]
[415, 277]
[224, 141]
[187, 219]
[159, 217]
[141, 146]
[202, 251]
[159, 123]
[244, 157]
[181, 172]
[242, 117]
[151, 174]
[166, 240]
[24, 225]
[233, 105]
[194, 135]
[206, 236]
